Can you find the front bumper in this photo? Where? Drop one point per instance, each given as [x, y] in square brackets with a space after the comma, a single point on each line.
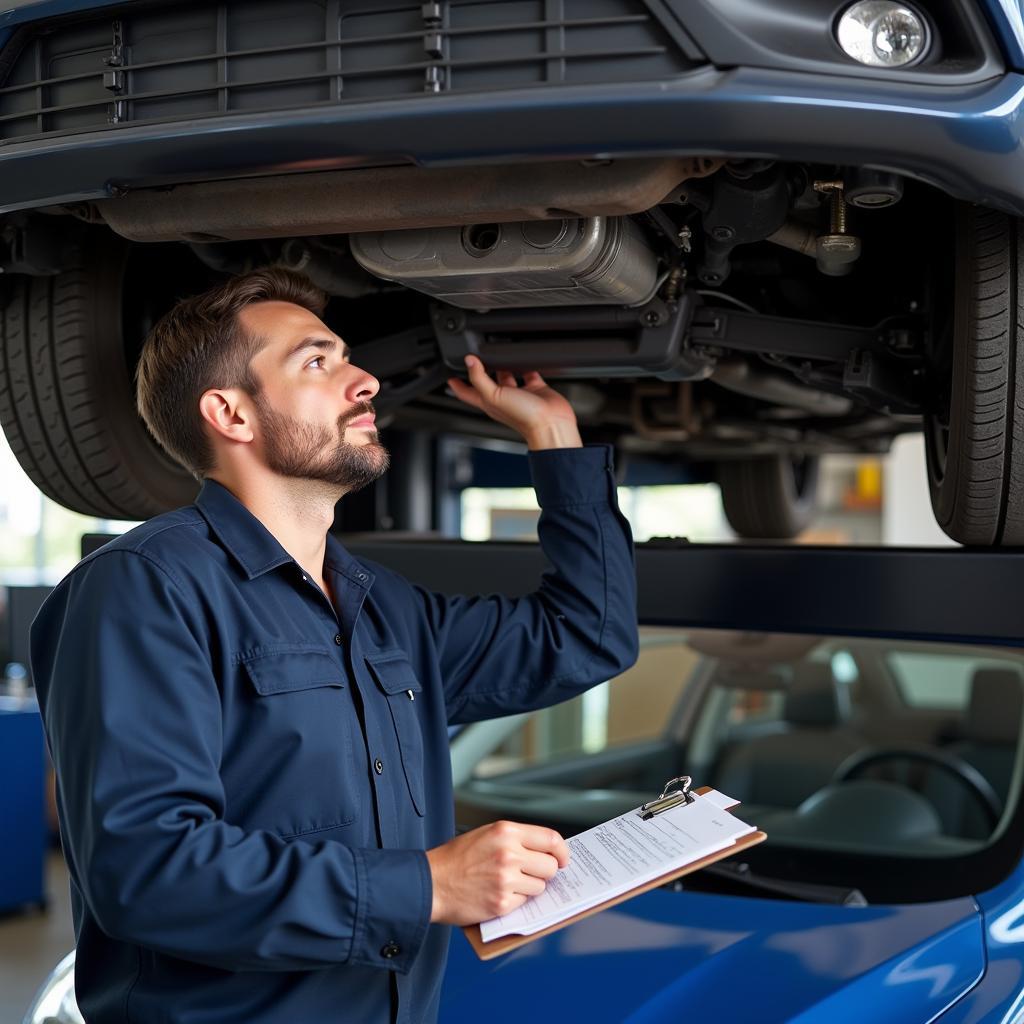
[964, 140]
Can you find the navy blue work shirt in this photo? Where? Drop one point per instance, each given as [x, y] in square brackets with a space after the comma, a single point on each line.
[248, 776]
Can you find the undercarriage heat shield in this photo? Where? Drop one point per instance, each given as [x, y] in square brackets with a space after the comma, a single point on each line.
[573, 261]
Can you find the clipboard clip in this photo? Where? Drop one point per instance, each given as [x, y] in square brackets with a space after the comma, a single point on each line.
[669, 798]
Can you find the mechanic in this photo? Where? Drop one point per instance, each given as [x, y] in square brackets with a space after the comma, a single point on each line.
[249, 726]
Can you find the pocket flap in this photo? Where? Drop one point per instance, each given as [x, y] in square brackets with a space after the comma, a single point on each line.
[286, 670]
[394, 672]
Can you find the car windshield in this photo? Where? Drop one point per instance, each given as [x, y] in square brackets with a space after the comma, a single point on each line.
[842, 749]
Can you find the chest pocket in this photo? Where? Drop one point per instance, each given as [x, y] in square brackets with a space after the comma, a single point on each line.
[298, 744]
[395, 677]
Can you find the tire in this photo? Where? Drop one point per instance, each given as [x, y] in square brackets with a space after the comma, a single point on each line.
[769, 498]
[67, 399]
[974, 439]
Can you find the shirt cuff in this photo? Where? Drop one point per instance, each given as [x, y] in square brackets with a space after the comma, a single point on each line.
[396, 893]
[573, 476]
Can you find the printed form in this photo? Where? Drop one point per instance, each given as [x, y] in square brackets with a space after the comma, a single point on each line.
[620, 855]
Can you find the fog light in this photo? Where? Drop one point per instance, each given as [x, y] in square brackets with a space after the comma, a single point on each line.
[883, 34]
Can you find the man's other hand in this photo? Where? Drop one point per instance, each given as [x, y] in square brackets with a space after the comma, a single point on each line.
[492, 870]
[543, 417]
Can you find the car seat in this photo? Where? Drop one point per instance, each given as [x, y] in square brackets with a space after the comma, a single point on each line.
[991, 730]
[784, 768]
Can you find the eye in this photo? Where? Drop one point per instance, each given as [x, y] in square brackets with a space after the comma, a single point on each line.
[318, 359]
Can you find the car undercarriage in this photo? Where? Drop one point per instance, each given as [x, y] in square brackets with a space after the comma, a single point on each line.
[736, 322]
[732, 246]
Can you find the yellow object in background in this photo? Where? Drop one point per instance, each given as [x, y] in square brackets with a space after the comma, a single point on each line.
[866, 489]
[869, 481]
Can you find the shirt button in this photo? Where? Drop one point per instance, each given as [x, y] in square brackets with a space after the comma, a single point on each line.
[378, 766]
[390, 951]
[362, 577]
[337, 639]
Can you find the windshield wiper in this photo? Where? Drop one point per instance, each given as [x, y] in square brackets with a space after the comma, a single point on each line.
[741, 876]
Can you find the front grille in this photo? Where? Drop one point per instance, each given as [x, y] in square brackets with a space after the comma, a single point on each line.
[152, 63]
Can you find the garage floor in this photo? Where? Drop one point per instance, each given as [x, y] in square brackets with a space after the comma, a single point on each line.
[32, 944]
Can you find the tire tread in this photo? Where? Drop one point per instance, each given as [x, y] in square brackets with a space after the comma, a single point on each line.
[54, 403]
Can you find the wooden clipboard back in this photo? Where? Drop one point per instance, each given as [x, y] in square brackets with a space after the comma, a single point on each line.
[497, 947]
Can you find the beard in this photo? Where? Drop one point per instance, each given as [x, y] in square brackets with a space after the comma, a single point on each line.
[308, 451]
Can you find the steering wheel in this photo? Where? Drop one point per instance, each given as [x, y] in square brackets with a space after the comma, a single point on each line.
[980, 789]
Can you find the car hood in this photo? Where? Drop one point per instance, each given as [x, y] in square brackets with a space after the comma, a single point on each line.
[667, 957]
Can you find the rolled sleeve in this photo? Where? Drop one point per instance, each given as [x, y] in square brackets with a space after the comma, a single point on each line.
[393, 907]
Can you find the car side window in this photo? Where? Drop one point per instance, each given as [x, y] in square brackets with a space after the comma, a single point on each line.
[940, 681]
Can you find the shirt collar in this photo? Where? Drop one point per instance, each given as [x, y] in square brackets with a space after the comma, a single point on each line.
[338, 559]
[246, 539]
[254, 547]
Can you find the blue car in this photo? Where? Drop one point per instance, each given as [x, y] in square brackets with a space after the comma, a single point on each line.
[742, 235]
[877, 740]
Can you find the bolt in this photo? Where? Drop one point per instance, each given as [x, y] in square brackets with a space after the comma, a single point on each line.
[837, 213]
[901, 340]
[652, 318]
[675, 280]
[450, 324]
[837, 205]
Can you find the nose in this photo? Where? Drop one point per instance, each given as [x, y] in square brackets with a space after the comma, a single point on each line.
[361, 386]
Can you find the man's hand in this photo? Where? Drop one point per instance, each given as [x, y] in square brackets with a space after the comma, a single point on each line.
[492, 870]
[539, 413]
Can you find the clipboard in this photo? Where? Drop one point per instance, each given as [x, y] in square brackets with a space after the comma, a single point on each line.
[507, 943]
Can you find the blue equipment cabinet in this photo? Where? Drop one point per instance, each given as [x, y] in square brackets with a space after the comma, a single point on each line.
[22, 814]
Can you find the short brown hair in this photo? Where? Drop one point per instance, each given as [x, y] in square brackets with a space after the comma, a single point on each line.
[200, 344]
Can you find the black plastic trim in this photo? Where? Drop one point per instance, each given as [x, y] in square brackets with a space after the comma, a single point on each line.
[954, 595]
[799, 35]
[155, 61]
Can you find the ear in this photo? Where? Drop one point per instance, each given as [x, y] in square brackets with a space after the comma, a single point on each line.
[228, 414]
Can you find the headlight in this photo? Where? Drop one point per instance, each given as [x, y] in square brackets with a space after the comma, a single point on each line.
[883, 34]
[55, 1003]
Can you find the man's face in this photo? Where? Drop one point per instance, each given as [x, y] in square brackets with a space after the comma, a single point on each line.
[315, 419]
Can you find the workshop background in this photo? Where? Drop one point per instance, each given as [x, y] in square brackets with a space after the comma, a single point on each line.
[863, 501]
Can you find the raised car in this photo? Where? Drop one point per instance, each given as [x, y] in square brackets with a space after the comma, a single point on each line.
[740, 235]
